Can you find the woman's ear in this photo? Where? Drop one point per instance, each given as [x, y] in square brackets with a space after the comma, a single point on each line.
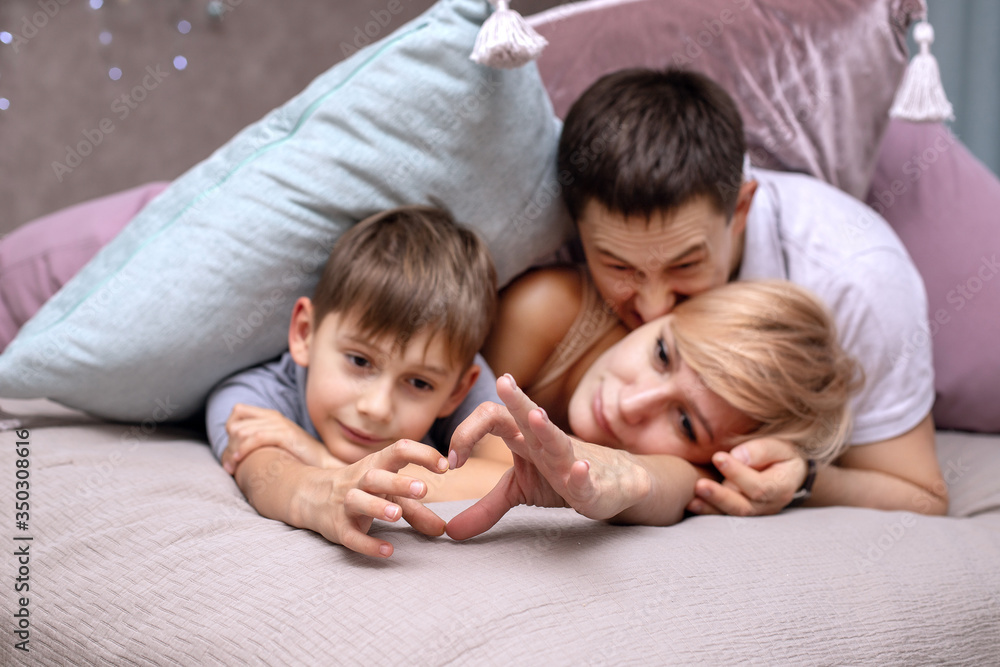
[460, 391]
[300, 331]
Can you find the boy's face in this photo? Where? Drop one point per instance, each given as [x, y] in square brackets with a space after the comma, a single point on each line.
[641, 396]
[364, 394]
[643, 269]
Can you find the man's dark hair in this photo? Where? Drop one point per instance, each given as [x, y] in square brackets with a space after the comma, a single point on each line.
[640, 141]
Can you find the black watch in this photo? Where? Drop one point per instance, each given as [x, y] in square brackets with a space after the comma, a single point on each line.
[805, 491]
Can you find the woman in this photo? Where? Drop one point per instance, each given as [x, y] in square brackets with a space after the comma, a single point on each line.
[651, 408]
[745, 360]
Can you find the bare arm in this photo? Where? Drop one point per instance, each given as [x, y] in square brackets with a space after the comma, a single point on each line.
[341, 504]
[897, 474]
[901, 473]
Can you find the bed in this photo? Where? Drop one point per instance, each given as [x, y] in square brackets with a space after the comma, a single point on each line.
[142, 549]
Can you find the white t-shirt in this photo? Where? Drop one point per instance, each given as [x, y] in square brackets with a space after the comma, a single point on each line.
[816, 236]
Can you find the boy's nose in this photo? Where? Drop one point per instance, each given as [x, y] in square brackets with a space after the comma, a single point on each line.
[375, 401]
[640, 400]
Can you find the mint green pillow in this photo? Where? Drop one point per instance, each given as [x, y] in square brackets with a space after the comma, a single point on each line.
[201, 283]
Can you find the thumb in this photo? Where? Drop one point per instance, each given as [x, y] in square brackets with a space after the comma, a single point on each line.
[764, 452]
[488, 418]
[484, 514]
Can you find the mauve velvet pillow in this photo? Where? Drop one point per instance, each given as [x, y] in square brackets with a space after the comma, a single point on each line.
[814, 80]
[39, 257]
[944, 205]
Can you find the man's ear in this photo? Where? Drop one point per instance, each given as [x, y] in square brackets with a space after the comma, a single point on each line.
[460, 391]
[743, 201]
[301, 330]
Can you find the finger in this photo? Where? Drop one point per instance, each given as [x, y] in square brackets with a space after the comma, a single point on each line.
[699, 506]
[755, 485]
[553, 445]
[383, 482]
[421, 518]
[487, 419]
[355, 540]
[763, 452]
[518, 404]
[360, 503]
[485, 513]
[403, 452]
[723, 499]
[580, 484]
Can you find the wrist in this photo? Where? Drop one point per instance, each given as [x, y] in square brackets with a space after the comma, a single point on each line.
[804, 491]
[310, 488]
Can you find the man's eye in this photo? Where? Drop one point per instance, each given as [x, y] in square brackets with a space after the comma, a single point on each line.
[687, 427]
[619, 267]
[661, 352]
[685, 266]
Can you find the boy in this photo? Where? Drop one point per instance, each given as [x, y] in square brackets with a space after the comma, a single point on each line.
[383, 349]
[652, 169]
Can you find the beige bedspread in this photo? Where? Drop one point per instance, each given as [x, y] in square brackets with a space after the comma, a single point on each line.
[144, 551]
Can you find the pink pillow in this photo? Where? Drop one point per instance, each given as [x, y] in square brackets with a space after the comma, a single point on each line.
[814, 81]
[37, 258]
[943, 203]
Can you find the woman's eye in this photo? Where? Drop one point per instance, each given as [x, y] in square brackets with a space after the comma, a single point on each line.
[661, 352]
[687, 427]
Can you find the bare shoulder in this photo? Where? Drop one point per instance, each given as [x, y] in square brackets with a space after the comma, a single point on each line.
[535, 313]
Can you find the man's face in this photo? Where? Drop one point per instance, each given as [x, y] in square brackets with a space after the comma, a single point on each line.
[644, 268]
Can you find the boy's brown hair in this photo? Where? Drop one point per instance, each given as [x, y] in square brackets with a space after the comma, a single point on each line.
[640, 141]
[409, 270]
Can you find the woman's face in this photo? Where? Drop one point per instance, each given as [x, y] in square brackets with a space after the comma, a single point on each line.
[640, 396]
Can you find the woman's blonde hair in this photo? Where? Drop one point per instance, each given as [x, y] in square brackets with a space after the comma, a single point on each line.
[770, 350]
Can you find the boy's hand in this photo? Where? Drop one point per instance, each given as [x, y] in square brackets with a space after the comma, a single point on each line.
[251, 427]
[760, 478]
[341, 504]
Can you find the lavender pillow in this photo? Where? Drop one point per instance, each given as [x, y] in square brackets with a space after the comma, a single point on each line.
[943, 203]
[39, 257]
[814, 81]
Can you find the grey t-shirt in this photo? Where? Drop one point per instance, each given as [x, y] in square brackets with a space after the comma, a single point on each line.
[803, 230]
[281, 385]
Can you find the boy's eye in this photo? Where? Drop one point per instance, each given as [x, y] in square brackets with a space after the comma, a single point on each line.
[358, 360]
[421, 385]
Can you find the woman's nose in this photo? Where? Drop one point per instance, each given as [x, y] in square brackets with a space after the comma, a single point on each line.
[640, 400]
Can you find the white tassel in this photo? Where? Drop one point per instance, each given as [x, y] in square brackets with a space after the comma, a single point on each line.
[506, 41]
[921, 97]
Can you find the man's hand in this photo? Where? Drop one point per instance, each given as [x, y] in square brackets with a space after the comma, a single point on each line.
[550, 468]
[759, 477]
[251, 427]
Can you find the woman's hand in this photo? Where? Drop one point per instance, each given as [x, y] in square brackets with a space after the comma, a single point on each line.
[251, 427]
[759, 477]
[551, 469]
